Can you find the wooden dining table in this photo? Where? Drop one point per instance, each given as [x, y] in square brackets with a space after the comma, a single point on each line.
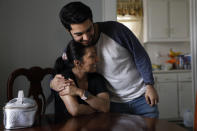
[101, 122]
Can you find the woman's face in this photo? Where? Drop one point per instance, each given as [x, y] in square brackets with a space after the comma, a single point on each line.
[89, 60]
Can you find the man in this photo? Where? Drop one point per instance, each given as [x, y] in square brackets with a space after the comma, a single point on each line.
[123, 61]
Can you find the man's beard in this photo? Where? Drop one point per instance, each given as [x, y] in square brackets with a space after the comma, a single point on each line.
[92, 42]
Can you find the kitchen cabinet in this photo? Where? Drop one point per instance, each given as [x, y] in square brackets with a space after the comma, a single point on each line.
[175, 93]
[166, 86]
[185, 92]
[166, 20]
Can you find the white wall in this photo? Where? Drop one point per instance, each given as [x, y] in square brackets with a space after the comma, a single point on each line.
[32, 35]
[109, 10]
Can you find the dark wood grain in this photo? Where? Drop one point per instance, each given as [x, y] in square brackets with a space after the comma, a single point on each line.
[103, 122]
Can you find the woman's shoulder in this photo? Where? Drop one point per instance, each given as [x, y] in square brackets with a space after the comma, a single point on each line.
[97, 83]
[68, 74]
[96, 76]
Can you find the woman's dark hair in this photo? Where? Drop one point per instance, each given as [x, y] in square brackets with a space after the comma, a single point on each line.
[74, 51]
[74, 13]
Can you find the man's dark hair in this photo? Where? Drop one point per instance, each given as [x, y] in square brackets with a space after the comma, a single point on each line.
[74, 13]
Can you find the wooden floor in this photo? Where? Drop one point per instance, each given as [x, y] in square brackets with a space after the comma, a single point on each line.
[188, 128]
[180, 123]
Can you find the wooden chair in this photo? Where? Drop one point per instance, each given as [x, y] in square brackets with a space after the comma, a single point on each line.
[195, 115]
[35, 76]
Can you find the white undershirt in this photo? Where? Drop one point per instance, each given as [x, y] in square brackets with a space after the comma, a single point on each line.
[117, 66]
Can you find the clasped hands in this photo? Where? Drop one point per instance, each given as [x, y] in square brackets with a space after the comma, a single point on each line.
[63, 86]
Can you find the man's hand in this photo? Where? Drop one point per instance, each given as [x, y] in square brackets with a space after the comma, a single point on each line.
[71, 89]
[151, 95]
[58, 83]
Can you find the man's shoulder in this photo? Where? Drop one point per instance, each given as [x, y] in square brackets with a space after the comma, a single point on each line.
[108, 24]
[111, 27]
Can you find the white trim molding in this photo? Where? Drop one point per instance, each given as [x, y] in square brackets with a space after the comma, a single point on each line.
[109, 10]
[193, 32]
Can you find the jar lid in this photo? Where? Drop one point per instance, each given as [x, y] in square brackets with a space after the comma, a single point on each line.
[21, 102]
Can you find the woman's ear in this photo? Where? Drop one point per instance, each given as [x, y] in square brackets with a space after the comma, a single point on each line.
[67, 30]
[77, 63]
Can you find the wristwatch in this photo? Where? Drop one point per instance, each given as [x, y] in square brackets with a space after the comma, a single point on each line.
[85, 95]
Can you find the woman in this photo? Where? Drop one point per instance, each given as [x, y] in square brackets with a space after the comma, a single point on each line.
[85, 91]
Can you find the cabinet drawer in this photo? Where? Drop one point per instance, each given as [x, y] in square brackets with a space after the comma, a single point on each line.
[165, 77]
[185, 76]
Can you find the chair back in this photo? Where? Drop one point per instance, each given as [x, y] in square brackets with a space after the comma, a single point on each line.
[35, 76]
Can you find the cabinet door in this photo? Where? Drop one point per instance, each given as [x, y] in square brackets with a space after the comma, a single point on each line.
[185, 97]
[168, 100]
[185, 92]
[179, 19]
[158, 19]
[166, 20]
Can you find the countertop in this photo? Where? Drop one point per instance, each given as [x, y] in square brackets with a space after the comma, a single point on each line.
[170, 71]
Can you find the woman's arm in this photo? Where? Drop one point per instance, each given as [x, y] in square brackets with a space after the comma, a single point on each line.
[74, 108]
[99, 102]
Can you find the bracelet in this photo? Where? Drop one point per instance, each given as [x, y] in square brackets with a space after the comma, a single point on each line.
[85, 95]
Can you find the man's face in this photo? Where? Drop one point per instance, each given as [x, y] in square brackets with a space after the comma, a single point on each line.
[83, 33]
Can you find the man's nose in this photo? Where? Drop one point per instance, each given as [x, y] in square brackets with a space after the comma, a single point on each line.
[86, 36]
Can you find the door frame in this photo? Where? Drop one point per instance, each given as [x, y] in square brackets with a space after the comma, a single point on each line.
[193, 41]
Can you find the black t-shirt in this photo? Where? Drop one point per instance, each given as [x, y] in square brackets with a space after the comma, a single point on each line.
[96, 85]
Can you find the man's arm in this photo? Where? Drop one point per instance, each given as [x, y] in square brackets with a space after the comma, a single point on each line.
[58, 83]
